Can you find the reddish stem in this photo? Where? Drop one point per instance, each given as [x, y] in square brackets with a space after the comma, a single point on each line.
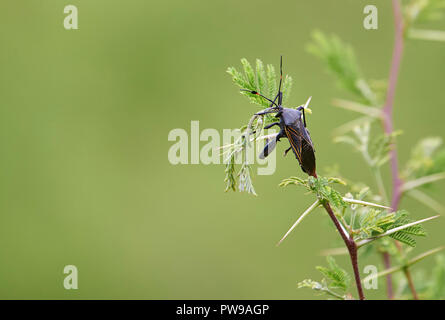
[389, 103]
[411, 283]
[352, 249]
[387, 113]
[349, 242]
[387, 264]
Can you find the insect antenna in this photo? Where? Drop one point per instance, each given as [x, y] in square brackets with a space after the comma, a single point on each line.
[280, 94]
[259, 94]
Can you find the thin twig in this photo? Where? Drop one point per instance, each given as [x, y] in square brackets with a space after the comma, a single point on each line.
[435, 35]
[423, 180]
[414, 260]
[426, 200]
[357, 107]
[410, 283]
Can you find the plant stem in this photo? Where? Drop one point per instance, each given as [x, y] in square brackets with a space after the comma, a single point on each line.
[389, 103]
[426, 200]
[352, 248]
[388, 118]
[387, 263]
[410, 283]
[334, 294]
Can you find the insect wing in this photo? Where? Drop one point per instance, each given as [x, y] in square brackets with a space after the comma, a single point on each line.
[295, 140]
[307, 137]
[302, 148]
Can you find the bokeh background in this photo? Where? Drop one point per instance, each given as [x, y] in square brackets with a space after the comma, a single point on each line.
[85, 115]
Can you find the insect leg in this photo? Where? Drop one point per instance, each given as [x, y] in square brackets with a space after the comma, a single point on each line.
[279, 113]
[269, 147]
[301, 108]
[274, 100]
[280, 135]
[271, 125]
[271, 144]
[304, 118]
[285, 152]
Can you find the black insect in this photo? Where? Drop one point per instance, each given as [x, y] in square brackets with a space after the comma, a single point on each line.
[293, 127]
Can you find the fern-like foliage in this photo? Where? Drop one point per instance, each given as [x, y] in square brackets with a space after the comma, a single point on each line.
[230, 179]
[405, 235]
[338, 278]
[420, 11]
[236, 151]
[245, 181]
[335, 282]
[320, 186]
[373, 222]
[261, 80]
[427, 157]
[375, 151]
[339, 58]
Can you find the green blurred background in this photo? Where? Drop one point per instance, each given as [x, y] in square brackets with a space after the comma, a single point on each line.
[85, 116]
